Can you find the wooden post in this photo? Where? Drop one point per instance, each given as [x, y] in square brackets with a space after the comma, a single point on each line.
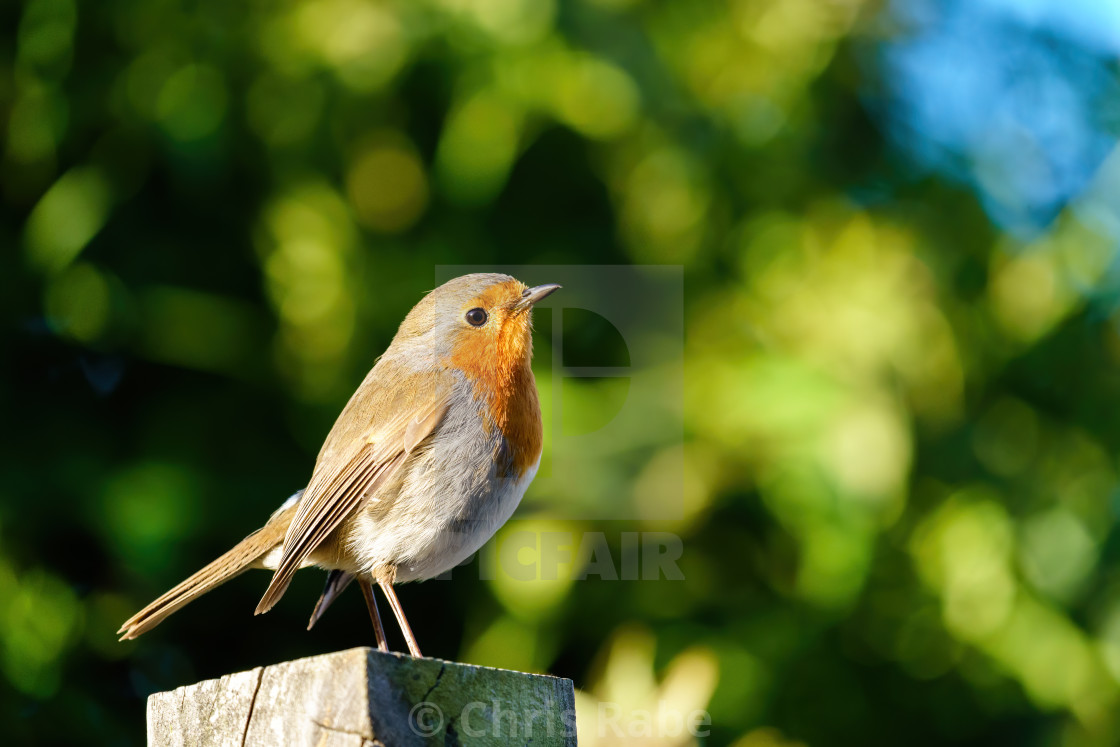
[363, 698]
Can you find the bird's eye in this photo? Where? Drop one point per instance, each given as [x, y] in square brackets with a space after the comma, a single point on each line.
[476, 317]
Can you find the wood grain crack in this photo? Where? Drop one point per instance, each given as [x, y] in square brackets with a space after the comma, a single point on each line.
[252, 704]
[328, 727]
[442, 669]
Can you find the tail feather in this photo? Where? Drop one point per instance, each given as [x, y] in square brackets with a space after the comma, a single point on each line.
[244, 555]
[337, 581]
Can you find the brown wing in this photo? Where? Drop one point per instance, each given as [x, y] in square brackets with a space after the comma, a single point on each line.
[354, 465]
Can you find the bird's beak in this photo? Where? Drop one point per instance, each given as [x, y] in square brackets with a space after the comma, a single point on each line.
[532, 295]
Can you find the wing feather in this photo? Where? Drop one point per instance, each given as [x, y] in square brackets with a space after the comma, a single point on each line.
[335, 493]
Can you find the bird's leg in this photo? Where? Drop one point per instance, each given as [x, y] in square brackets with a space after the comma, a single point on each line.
[387, 587]
[375, 618]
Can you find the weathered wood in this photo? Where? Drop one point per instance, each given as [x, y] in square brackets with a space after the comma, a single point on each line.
[361, 698]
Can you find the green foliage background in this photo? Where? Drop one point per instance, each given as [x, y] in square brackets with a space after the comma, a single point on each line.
[900, 474]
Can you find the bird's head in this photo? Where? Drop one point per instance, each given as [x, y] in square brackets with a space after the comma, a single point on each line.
[480, 324]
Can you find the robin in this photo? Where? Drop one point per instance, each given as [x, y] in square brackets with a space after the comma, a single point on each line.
[428, 459]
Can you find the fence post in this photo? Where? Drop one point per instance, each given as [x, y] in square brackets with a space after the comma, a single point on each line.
[363, 697]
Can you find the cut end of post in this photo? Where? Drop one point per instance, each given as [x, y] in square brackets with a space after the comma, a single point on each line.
[384, 698]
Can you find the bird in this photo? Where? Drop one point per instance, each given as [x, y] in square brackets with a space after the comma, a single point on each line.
[427, 460]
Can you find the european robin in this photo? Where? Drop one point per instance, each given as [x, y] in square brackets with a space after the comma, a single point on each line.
[428, 459]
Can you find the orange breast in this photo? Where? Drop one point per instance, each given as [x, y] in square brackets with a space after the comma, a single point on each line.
[519, 419]
[499, 368]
